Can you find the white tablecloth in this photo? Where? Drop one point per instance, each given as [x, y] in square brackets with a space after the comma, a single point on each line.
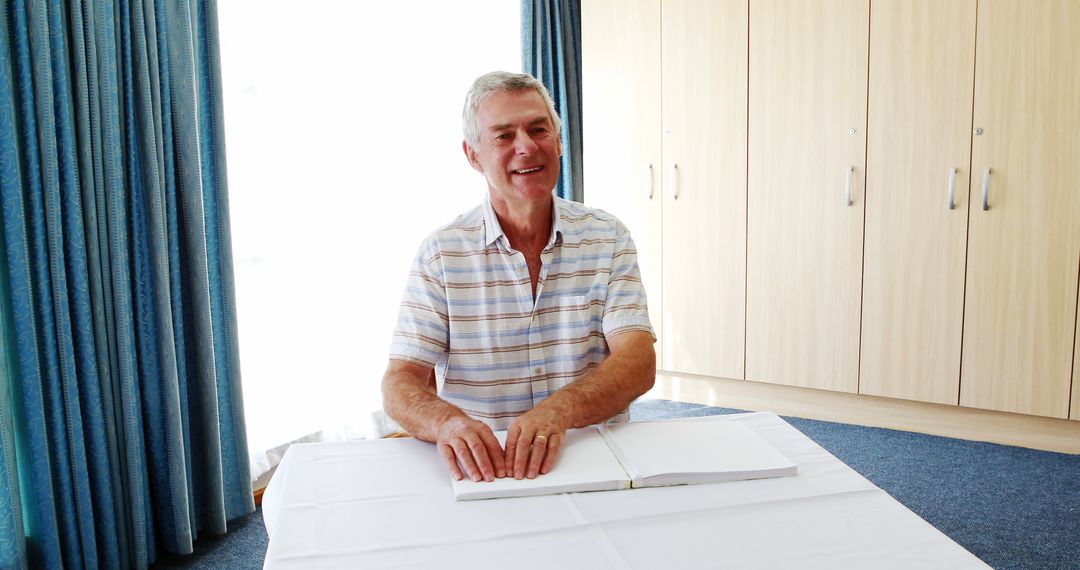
[388, 504]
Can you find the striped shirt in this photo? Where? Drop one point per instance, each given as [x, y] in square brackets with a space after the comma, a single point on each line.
[468, 309]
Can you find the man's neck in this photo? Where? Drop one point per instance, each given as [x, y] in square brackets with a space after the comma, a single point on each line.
[527, 226]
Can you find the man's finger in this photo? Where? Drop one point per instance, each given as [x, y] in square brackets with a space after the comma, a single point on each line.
[554, 445]
[537, 454]
[464, 456]
[495, 452]
[480, 455]
[511, 448]
[448, 455]
[521, 454]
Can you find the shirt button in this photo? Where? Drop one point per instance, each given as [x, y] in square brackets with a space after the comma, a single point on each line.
[538, 370]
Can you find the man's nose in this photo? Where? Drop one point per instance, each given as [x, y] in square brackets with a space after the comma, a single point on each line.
[525, 144]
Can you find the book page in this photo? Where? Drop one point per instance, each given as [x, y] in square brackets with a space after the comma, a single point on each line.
[673, 452]
[584, 464]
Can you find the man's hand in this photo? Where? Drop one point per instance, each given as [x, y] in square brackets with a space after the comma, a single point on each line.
[533, 441]
[409, 397]
[470, 443]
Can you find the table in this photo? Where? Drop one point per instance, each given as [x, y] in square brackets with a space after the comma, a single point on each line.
[388, 504]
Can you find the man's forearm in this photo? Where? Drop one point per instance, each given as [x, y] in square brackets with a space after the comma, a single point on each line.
[608, 389]
[415, 405]
[467, 445]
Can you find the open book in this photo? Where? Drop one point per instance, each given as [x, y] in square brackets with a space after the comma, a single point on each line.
[643, 454]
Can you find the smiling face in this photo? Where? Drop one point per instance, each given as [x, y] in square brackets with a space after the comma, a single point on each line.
[517, 149]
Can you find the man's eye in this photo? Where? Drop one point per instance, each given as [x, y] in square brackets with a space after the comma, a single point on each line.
[503, 137]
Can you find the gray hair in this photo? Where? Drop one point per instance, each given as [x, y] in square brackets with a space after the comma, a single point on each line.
[501, 81]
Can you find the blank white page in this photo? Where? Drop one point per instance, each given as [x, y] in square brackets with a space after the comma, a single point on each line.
[675, 452]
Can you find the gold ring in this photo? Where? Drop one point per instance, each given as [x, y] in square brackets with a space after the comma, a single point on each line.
[541, 437]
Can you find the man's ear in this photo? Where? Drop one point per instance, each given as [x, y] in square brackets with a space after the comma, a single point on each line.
[470, 155]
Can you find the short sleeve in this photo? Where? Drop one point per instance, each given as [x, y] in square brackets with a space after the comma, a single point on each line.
[422, 333]
[626, 307]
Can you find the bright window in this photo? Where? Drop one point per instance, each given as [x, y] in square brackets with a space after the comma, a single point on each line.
[343, 132]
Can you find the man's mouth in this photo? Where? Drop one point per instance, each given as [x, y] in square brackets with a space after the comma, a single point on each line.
[528, 170]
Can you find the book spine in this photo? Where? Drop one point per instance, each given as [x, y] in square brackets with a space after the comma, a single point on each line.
[631, 470]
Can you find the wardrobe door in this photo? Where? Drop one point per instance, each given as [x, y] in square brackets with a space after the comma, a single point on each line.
[621, 119]
[922, 59]
[1024, 236]
[808, 81]
[1075, 410]
[704, 151]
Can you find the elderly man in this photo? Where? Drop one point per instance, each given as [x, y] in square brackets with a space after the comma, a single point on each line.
[528, 309]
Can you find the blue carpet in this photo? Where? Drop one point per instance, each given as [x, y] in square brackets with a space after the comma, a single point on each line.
[1012, 507]
[243, 548]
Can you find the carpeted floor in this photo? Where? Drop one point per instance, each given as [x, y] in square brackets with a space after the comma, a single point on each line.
[243, 548]
[1012, 507]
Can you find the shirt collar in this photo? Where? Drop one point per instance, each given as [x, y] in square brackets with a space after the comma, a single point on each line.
[493, 230]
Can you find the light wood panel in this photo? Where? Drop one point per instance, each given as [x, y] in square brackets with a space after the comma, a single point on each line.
[922, 59]
[621, 118]
[704, 125]
[808, 66]
[950, 421]
[1022, 281]
[1075, 409]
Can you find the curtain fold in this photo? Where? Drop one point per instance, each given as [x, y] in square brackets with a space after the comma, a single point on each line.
[12, 533]
[120, 329]
[551, 52]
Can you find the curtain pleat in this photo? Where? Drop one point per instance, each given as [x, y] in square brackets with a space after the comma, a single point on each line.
[234, 451]
[86, 276]
[125, 427]
[12, 534]
[107, 138]
[551, 52]
[22, 257]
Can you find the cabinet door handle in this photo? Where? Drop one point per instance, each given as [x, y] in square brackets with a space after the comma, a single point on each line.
[650, 181]
[986, 190]
[675, 180]
[847, 185]
[952, 189]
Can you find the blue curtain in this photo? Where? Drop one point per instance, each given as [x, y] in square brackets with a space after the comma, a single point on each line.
[551, 52]
[125, 429]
